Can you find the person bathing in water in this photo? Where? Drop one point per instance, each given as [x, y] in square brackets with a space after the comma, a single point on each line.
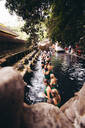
[47, 90]
[42, 64]
[52, 96]
[48, 59]
[46, 65]
[46, 73]
[53, 81]
[56, 97]
[50, 67]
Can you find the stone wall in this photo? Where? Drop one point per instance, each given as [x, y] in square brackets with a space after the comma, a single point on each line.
[74, 109]
[11, 98]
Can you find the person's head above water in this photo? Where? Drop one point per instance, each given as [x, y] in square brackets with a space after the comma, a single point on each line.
[54, 91]
[47, 56]
[52, 76]
[46, 69]
[47, 63]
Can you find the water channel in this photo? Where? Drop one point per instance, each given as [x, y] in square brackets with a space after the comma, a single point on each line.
[68, 69]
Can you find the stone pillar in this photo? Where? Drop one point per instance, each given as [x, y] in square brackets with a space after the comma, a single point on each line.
[11, 98]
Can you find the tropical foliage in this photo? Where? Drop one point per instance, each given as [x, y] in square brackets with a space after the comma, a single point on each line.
[64, 19]
[67, 20]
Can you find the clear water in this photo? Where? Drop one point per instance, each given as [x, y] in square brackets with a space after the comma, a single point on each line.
[70, 72]
[36, 85]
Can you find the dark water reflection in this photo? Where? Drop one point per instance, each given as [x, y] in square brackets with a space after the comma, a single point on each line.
[70, 72]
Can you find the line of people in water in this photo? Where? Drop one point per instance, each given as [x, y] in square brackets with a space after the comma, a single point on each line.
[51, 93]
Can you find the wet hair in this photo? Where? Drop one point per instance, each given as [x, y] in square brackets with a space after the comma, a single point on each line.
[51, 75]
[47, 56]
[46, 69]
[54, 92]
[46, 62]
[42, 62]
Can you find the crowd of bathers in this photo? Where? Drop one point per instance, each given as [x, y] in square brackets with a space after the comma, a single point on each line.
[51, 92]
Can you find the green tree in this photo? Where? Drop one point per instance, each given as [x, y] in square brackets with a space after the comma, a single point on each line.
[31, 11]
[65, 18]
[66, 21]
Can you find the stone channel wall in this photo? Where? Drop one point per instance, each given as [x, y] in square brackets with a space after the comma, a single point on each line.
[12, 58]
[14, 113]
